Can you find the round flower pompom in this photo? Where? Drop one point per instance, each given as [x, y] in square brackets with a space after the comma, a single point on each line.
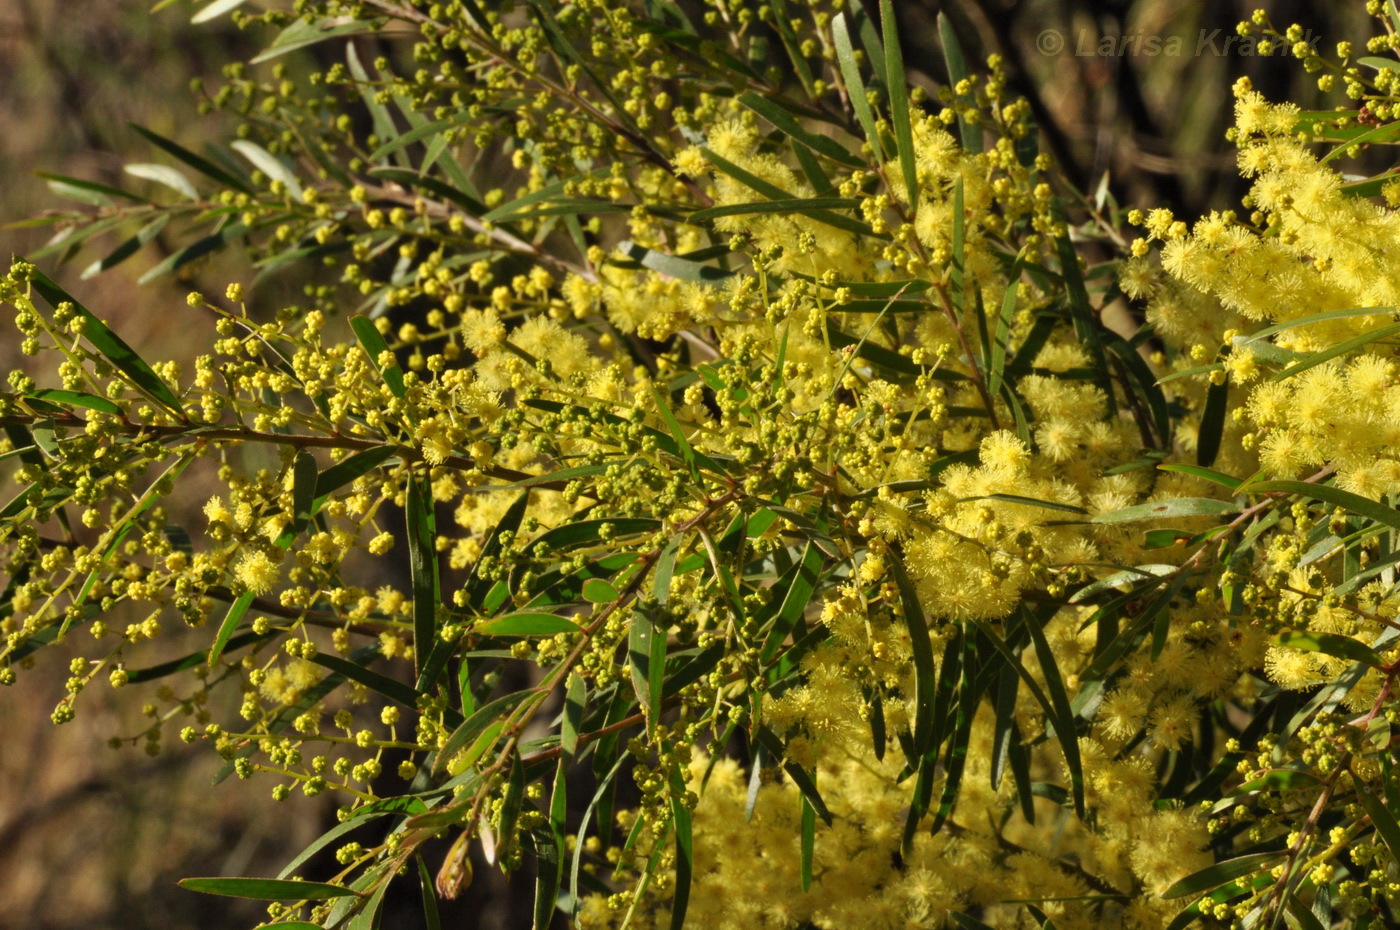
[257, 571]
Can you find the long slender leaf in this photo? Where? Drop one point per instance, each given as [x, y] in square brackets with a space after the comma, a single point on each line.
[347, 470]
[1205, 473]
[231, 232]
[266, 889]
[921, 646]
[111, 346]
[166, 175]
[646, 653]
[897, 86]
[384, 127]
[809, 841]
[674, 266]
[774, 746]
[1341, 348]
[1143, 383]
[1057, 707]
[685, 850]
[1309, 319]
[1212, 424]
[1332, 644]
[1179, 507]
[855, 86]
[163, 669]
[372, 341]
[73, 399]
[423, 569]
[1218, 874]
[1363, 506]
[1086, 324]
[1001, 338]
[202, 165]
[792, 592]
[1382, 818]
[268, 164]
[215, 9]
[476, 724]
[787, 123]
[128, 247]
[86, 191]
[1064, 716]
[230, 623]
[301, 34]
[970, 133]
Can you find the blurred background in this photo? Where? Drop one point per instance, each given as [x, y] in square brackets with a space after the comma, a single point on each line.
[96, 838]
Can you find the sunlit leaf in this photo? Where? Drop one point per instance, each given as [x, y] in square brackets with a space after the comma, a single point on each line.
[267, 889]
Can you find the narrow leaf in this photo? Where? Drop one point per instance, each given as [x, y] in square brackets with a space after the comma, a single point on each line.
[164, 174]
[1001, 339]
[1218, 874]
[673, 266]
[372, 341]
[428, 892]
[685, 851]
[1086, 324]
[1063, 716]
[301, 34]
[1309, 319]
[86, 191]
[897, 86]
[230, 623]
[111, 346]
[1382, 818]
[807, 206]
[646, 652]
[304, 481]
[202, 165]
[855, 87]
[476, 724]
[1179, 507]
[527, 624]
[416, 134]
[1212, 423]
[1332, 644]
[953, 57]
[266, 889]
[774, 746]
[268, 164]
[795, 589]
[575, 702]
[216, 9]
[127, 248]
[390, 688]
[73, 399]
[921, 646]
[1355, 503]
[512, 801]
[1207, 474]
[197, 249]
[788, 124]
[809, 841]
[423, 568]
[1341, 348]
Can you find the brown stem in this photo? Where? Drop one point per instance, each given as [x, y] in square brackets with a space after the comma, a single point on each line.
[161, 431]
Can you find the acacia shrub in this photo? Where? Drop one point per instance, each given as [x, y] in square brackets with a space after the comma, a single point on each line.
[761, 416]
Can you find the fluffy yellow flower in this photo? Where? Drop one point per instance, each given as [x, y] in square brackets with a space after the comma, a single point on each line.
[257, 571]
